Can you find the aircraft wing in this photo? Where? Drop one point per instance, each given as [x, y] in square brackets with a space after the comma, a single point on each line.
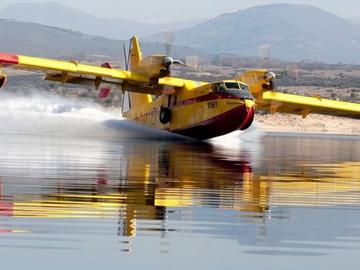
[173, 82]
[77, 73]
[71, 71]
[302, 105]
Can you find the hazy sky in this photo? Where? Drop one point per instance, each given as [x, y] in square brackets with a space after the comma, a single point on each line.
[171, 10]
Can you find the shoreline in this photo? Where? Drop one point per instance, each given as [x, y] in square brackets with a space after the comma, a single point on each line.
[314, 124]
[311, 134]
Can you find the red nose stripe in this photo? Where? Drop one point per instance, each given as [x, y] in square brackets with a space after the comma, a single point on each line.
[9, 59]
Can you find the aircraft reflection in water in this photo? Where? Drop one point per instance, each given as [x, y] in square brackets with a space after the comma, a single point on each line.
[156, 180]
[153, 177]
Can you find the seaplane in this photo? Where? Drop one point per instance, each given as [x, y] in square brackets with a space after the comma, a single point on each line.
[194, 109]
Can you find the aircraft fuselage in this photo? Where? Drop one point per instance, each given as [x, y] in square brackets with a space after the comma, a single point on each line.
[200, 112]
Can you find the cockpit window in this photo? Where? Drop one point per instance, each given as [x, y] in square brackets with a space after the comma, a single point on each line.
[219, 87]
[228, 86]
[244, 87]
[236, 89]
[232, 85]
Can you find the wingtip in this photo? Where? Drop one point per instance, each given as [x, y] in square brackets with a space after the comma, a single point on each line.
[8, 59]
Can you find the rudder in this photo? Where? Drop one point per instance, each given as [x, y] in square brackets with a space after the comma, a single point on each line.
[137, 100]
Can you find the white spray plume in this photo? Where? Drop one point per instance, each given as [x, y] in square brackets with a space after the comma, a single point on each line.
[50, 114]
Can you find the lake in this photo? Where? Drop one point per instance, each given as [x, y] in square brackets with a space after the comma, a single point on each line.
[80, 188]
[117, 202]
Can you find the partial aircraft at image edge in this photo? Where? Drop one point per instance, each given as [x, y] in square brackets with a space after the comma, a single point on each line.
[198, 110]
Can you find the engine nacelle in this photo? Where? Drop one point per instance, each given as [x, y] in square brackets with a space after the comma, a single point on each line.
[3, 79]
[269, 76]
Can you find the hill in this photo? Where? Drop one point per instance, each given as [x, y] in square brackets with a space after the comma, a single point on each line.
[355, 20]
[54, 14]
[289, 32]
[39, 40]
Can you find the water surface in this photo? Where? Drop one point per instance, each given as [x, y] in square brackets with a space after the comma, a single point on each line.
[112, 202]
[87, 190]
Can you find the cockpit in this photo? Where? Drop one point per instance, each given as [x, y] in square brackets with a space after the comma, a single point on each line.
[241, 90]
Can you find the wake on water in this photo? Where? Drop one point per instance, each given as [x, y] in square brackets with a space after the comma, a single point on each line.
[50, 114]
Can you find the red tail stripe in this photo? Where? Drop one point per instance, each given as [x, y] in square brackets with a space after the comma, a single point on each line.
[104, 92]
[7, 58]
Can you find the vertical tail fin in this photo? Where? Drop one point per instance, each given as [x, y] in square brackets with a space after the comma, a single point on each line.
[135, 53]
[137, 100]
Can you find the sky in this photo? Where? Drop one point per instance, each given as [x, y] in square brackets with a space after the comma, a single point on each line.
[174, 10]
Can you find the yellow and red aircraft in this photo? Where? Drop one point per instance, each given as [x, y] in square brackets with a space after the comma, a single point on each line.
[199, 110]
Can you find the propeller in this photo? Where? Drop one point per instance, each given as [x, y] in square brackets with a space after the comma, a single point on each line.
[127, 56]
[269, 76]
[290, 72]
[168, 60]
[169, 37]
[270, 80]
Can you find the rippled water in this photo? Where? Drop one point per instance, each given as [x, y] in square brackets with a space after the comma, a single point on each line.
[101, 199]
[95, 203]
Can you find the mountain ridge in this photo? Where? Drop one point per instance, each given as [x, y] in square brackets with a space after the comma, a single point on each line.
[49, 41]
[58, 15]
[289, 32]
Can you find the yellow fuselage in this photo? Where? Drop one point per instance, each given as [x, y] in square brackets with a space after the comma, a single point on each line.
[197, 111]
